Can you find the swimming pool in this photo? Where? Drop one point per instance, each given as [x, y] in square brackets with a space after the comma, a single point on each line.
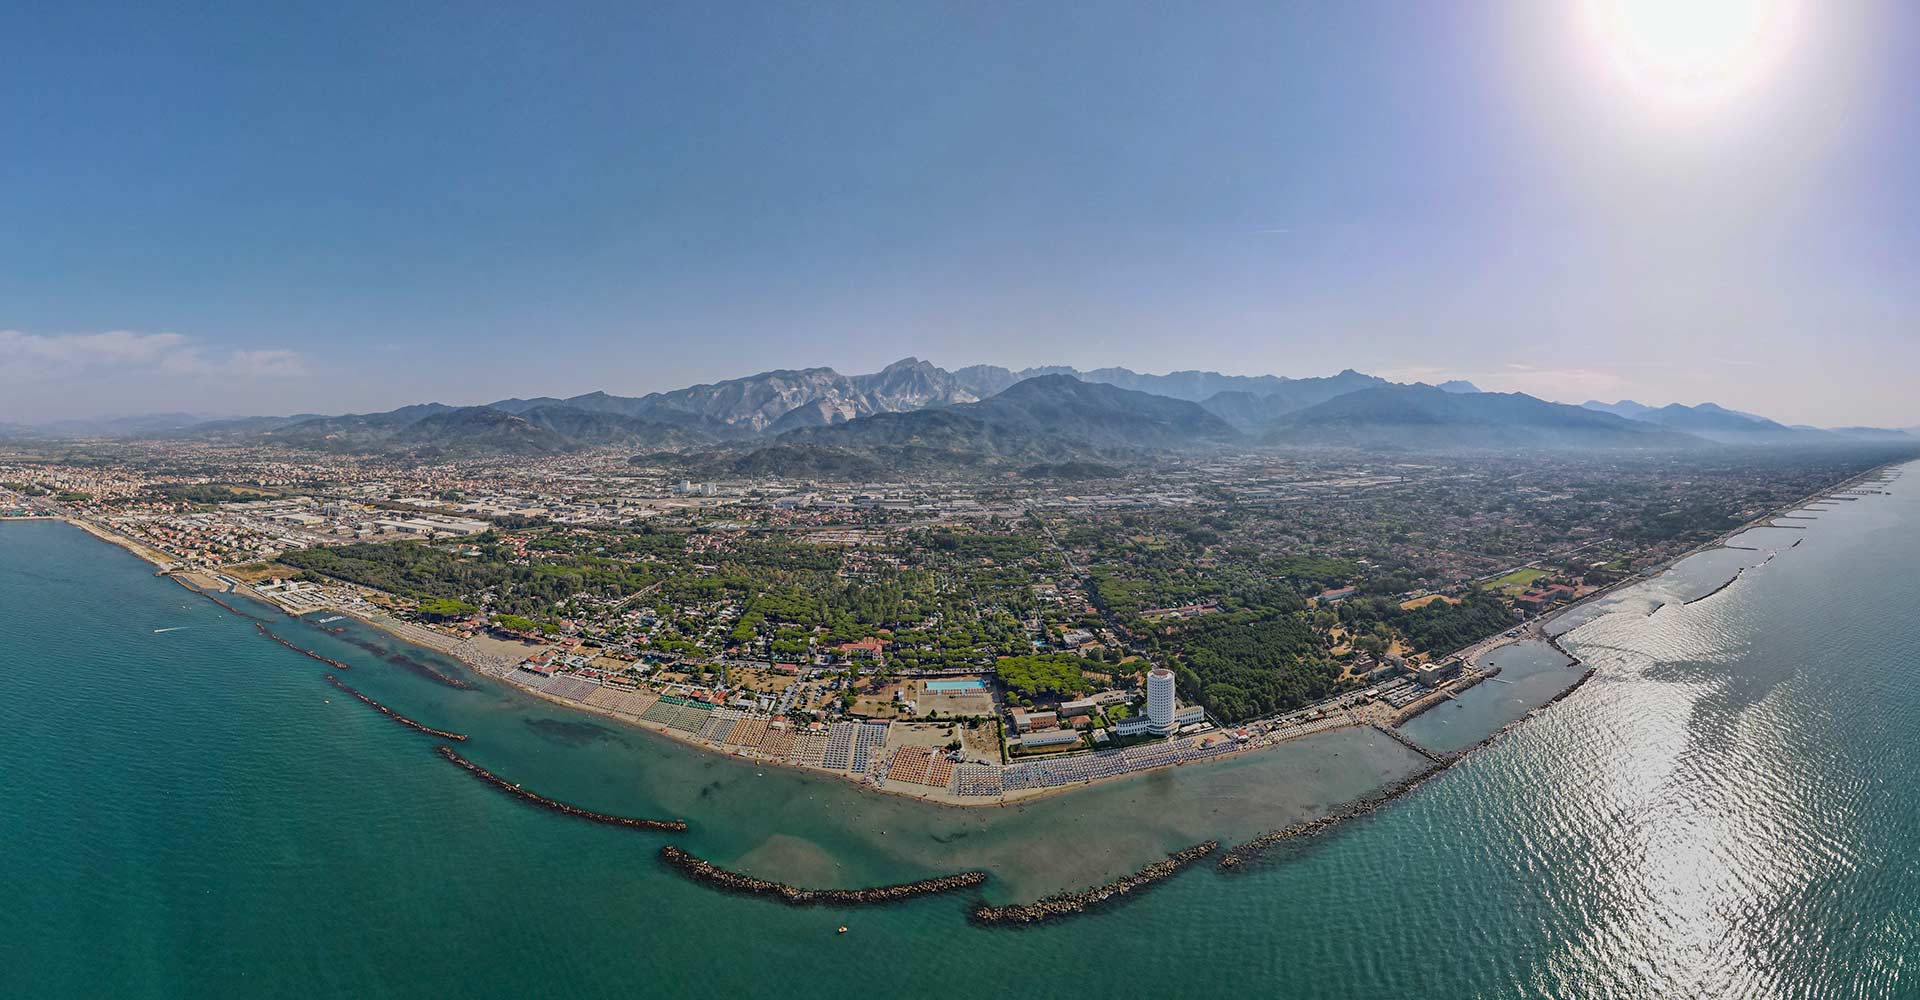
[954, 687]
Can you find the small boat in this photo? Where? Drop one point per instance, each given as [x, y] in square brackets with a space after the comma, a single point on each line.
[843, 928]
[175, 628]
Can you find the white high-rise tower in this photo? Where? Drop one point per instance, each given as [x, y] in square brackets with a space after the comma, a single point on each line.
[1160, 700]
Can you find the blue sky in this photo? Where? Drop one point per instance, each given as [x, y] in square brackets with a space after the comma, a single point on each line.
[246, 208]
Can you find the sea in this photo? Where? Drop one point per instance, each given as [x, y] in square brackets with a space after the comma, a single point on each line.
[1730, 807]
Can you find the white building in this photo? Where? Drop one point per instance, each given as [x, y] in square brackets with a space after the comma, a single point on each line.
[1160, 701]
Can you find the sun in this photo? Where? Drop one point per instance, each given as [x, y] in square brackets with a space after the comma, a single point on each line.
[1691, 54]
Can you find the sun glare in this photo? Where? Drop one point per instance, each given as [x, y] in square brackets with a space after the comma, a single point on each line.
[1691, 54]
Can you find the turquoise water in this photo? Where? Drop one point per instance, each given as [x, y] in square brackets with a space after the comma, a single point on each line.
[974, 685]
[1730, 808]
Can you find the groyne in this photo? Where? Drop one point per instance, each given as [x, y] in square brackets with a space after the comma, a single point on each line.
[1407, 741]
[720, 878]
[633, 823]
[1067, 904]
[269, 633]
[395, 716]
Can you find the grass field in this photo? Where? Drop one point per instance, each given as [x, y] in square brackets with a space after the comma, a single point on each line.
[1516, 582]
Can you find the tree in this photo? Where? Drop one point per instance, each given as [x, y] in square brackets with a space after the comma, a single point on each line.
[443, 608]
[1058, 674]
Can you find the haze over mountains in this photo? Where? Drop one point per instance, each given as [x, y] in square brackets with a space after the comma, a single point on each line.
[1717, 423]
[914, 414]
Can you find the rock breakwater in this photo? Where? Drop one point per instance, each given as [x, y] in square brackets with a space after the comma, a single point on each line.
[395, 716]
[269, 633]
[1238, 856]
[1067, 904]
[633, 823]
[720, 878]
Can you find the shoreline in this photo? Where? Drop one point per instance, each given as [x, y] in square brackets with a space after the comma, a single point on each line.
[429, 639]
[1537, 629]
[1239, 855]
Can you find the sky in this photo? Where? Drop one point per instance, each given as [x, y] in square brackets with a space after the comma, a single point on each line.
[340, 207]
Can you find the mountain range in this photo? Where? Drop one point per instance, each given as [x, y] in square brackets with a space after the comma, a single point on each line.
[913, 414]
[1428, 417]
[1717, 423]
[775, 401]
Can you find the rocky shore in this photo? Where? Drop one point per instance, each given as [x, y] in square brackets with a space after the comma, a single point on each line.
[395, 716]
[675, 825]
[720, 878]
[1067, 904]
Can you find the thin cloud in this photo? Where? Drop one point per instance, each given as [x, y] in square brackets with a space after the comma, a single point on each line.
[38, 355]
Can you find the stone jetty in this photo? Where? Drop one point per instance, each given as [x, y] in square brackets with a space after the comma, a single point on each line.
[720, 878]
[1067, 904]
[674, 825]
[395, 716]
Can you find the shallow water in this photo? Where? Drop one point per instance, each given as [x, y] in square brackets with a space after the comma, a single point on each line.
[1531, 674]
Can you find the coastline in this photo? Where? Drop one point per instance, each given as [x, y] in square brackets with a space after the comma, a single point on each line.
[426, 638]
[1537, 628]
